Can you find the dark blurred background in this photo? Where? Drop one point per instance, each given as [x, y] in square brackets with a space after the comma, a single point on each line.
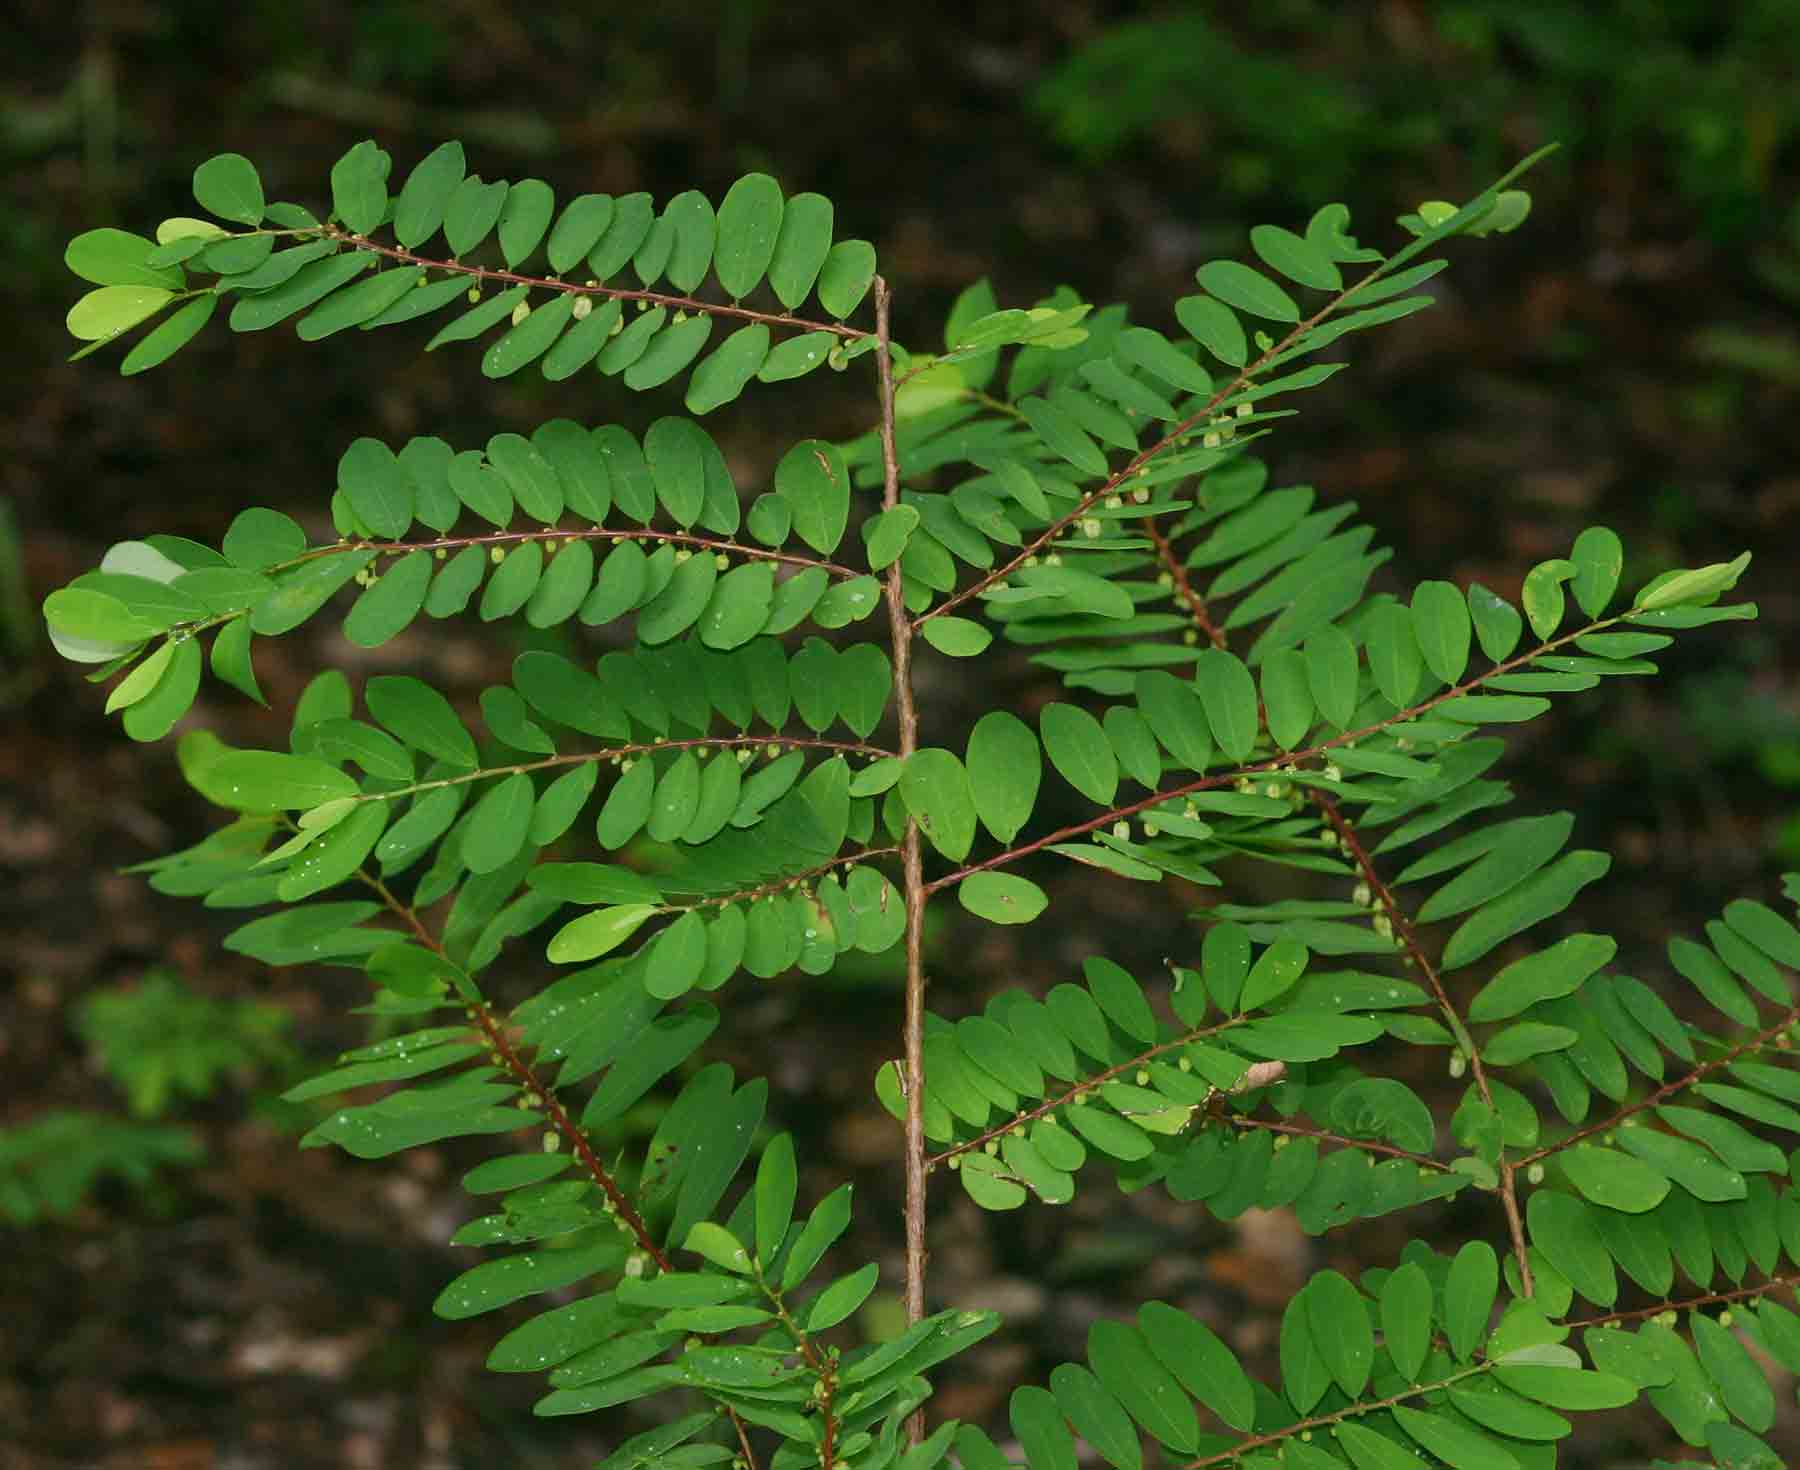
[181, 1288]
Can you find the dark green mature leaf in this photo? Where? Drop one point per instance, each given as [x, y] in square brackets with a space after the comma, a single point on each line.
[1080, 751]
[936, 789]
[1545, 893]
[1228, 695]
[1406, 1318]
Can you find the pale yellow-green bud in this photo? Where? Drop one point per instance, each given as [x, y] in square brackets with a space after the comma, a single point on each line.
[520, 312]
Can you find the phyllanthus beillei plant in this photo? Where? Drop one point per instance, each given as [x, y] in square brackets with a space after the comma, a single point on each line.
[726, 779]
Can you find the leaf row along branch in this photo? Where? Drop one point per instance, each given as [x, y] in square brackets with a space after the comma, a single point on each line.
[1075, 1093]
[1773, 1035]
[1199, 419]
[717, 545]
[1401, 923]
[627, 752]
[1284, 764]
[500, 1047]
[481, 273]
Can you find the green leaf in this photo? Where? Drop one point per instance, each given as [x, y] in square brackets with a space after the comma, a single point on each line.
[1617, 1181]
[1204, 1365]
[1140, 347]
[1497, 622]
[1295, 257]
[1469, 1293]
[1096, 1416]
[1287, 697]
[1063, 435]
[1524, 1041]
[359, 187]
[1569, 1235]
[1544, 894]
[957, 637]
[498, 824]
[1124, 1363]
[268, 781]
[1215, 327]
[168, 337]
[1406, 1318]
[845, 276]
[749, 224]
[827, 1222]
[801, 245]
[812, 479]
[1599, 557]
[228, 186]
[1228, 695]
[1037, 1422]
[1699, 587]
[1453, 1443]
[421, 717]
[1004, 772]
[1080, 751]
[1546, 975]
[141, 680]
[425, 196]
[596, 933]
[1441, 625]
[775, 1187]
[936, 790]
[231, 659]
[1331, 673]
[842, 1298]
[1394, 656]
[390, 603]
[1340, 1328]
[496, 1283]
[110, 257]
[107, 311]
[1248, 290]
[1274, 973]
[1176, 717]
[377, 487]
[677, 958]
[723, 375]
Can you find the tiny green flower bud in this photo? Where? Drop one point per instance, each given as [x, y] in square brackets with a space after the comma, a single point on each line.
[1244, 410]
[1458, 1064]
[551, 1142]
[474, 294]
[583, 305]
[520, 312]
[439, 553]
[721, 561]
[496, 554]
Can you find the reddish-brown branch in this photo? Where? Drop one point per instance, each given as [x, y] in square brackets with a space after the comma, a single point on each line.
[572, 288]
[714, 544]
[1277, 764]
[481, 1015]
[1662, 1094]
[1691, 1304]
[1400, 922]
[1184, 589]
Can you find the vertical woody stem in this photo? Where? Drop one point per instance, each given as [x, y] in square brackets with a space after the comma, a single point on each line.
[900, 628]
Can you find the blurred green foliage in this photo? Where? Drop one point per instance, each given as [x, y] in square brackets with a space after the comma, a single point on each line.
[1706, 87]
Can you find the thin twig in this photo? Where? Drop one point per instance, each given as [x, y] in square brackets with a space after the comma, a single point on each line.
[571, 288]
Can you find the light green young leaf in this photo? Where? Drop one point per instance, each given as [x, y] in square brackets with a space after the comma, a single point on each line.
[596, 933]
